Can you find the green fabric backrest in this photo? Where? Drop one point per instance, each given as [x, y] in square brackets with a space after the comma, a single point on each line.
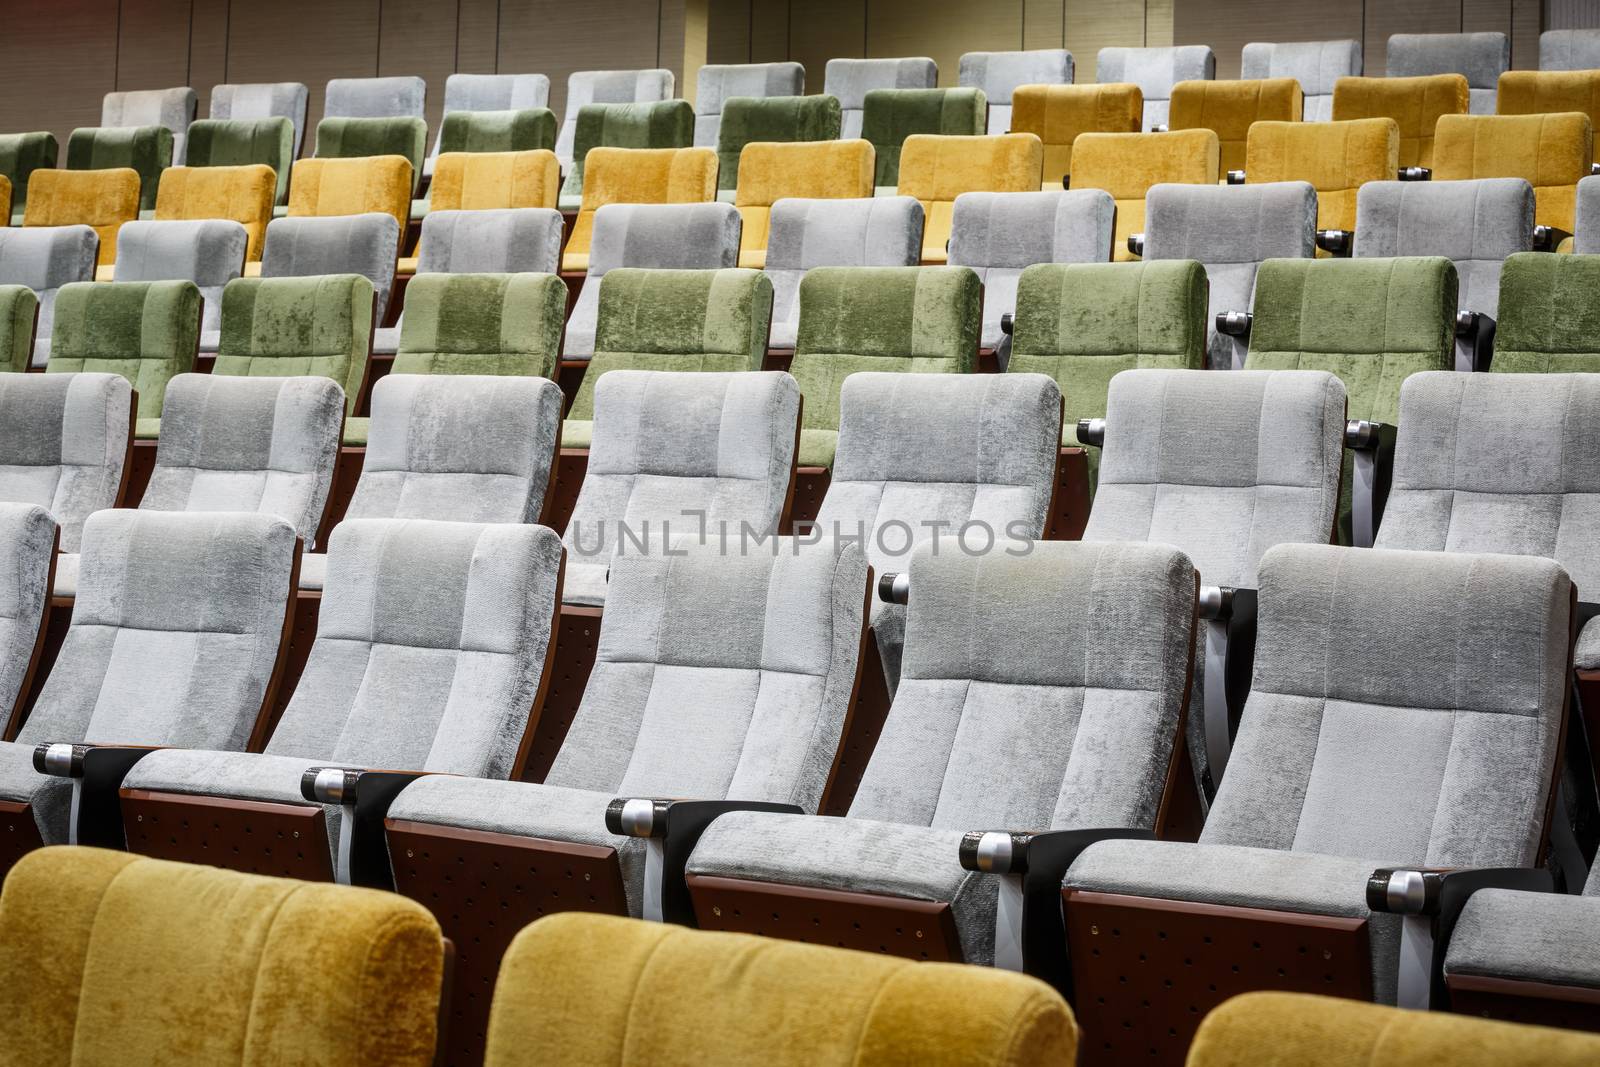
[147, 149]
[347, 138]
[498, 131]
[889, 116]
[20, 155]
[241, 142]
[1549, 314]
[482, 324]
[661, 124]
[145, 331]
[775, 118]
[19, 309]
[281, 327]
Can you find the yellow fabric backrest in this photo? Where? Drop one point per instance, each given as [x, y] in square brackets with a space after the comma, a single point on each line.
[1337, 158]
[1414, 103]
[814, 170]
[108, 957]
[1126, 165]
[637, 176]
[244, 194]
[1543, 92]
[352, 187]
[1228, 108]
[1271, 1028]
[474, 181]
[579, 989]
[937, 169]
[102, 199]
[1057, 114]
[1552, 152]
[5, 200]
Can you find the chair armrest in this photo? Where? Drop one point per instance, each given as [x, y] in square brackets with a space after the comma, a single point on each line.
[1235, 177]
[1092, 432]
[1416, 174]
[1159, 127]
[1136, 244]
[1336, 242]
[1546, 238]
[1008, 324]
[365, 796]
[671, 829]
[1373, 445]
[894, 588]
[1229, 633]
[1474, 341]
[1235, 323]
[96, 773]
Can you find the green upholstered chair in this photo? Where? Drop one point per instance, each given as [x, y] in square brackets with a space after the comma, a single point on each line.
[663, 124]
[677, 320]
[891, 115]
[1549, 314]
[911, 319]
[775, 118]
[148, 332]
[145, 149]
[241, 142]
[19, 311]
[477, 324]
[20, 155]
[347, 138]
[498, 131]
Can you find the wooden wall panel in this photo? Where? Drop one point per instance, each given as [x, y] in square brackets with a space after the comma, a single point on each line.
[1527, 20]
[1415, 16]
[942, 29]
[153, 44]
[1572, 14]
[208, 51]
[820, 30]
[1478, 16]
[419, 37]
[477, 34]
[1228, 25]
[728, 39]
[306, 41]
[1095, 24]
[769, 37]
[559, 37]
[1043, 23]
[57, 59]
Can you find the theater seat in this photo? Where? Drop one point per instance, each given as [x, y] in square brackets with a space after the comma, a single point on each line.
[281, 327]
[20, 155]
[30, 538]
[209, 253]
[1569, 50]
[1480, 58]
[937, 169]
[362, 244]
[587, 87]
[658, 125]
[146, 150]
[19, 310]
[850, 80]
[891, 116]
[821, 170]
[1316, 65]
[1126, 165]
[1547, 318]
[717, 83]
[391, 97]
[488, 181]
[1057, 114]
[1337, 158]
[173, 109]
[261, 100]
[1551, 152]
[238, 194]
[100, 199]
[1155, 71]
[1543, 92]
[1415, 104]
[1000, 74]
[267, 142]
[44, 259]
[513, 107]
[322, 187]
[745, 121]
[637, 176]
[69, 444]
[1230, 108]
[358, 138]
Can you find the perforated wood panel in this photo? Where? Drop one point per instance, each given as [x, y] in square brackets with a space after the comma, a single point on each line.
[281, 840]
[1069, 507]
[346, 473]
[1534, 1003]
[810, 486]
[19, 834]
[577, 640]
[861, 730]
[143, 465]
[571, 465]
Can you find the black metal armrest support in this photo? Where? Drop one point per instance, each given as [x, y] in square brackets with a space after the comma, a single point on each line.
[1474, 341]
[1594, 168]
[1230, 646]
[894, 588]
[1092, 432]
[1235, 323]
[1548, 238]
[1235, 177]
[1007, 324]
[1160, 127]
[1373, 445]
[1030, 934]
[671, 829]
[1416, 174]
[1136, 244]
[96, 772]
[1336, 242]
[365, 797]
[1066, 181]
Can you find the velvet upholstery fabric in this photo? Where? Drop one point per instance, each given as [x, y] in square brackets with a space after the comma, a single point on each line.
[480, 181]
[660, 124]
[1126, 165]
[1543, 92]
[261, 100]
[344, 244]
[1569, 50]
[277, 327]
[30, 539]
[1479, 57]
[482, 324]
[352, 187]
[210, 253]
[173, 109]
[716, 84]
[239, 143]
[937, 169]
[240, 194]
[1337, 158]
[1551, 152]
[355, 138]
[19, 307]
[637, 176]
[393, 97]
[1586, 235]
[1057, 114]
[20, 155]
[890, 116]
[63, 440]
[1155, 71]
[1000, 74]
[1316, 65]
[1415, 104]
[147, 332]
[500, 112]
[1535, 937]
[745, 120]
[100, 199]
[1229, 108]
[1548, 314]
[147, 150]
[587, 87]
[815, 170]
[850, 80]
[44, 259]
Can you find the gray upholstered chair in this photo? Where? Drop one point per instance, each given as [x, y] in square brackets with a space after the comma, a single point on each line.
[208, 252]
[1155, 71]
[1316, 65]
[1479, 57]
[375, 98]
[1569, 50]
[1475, 224]
[263, 100]
[920, 453]
[29, 534]
[852, 79]
[44, 258]
[429, 656]
[990, 729]
[1585, 236]
[1230, 229]
[716, 82]
[174, 642]
[172, 108]
[653, 236]
[680, 451]
[607, 87]
[366, 244]
[998, 234]
[999, 74]
[488, 92]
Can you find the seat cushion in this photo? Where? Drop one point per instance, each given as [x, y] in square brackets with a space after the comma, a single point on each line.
[1537, 937]
[66, 574]
[51, 797]
[584, 583]
[313, 570]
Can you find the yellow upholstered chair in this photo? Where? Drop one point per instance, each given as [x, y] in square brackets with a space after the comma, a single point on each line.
[1126, 165]
[814, 170]
[579, 989]
[638, 176]
[352, 187]
[1552, 152]
[1337, 158]
[1057, 114]
[1229, 108]
[1264, 1029]
[1544, 92]
[1415, 104]
[101, 199]
[473, 181]
[243, 194]
[108, 957]
[936, 169]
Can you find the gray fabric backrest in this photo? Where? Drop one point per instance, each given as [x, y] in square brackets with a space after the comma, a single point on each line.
[1038, 690]
[608, 87]
[883, 231]
[430, 647]
[490, 92]
[1316, 65]
[1480, 57]
[172, 108]
[721, 673]
[1569, 50]
[367, 245]
[1222, 465]
[263, 100]
[525, 240]
[471, 447]
[717, 82]
[1230, 229]
[655, 236]
[1155, 71]
[1476, 224]
[29, 534]
[1585, 238]
[248, 444]
[375, 98]
[44, 258]
[63, 442]
[175, 631]
[999, 234]
[999, 73]
[1404, 707]
[208, 252]
[852, 79]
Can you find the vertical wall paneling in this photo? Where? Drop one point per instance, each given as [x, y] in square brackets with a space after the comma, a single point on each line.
[820, 30]
[208, 50]
[306, 41]
[1042, 24]
[769, 37]
[942, 29]
[153, 43]
[477, 29]
[1228, 25]
[44, 89]
[1095, 24]
[559, 38]
[419, 37]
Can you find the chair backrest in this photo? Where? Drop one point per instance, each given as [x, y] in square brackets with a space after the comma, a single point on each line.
[266, 142]
[30, 537]
[243, 195]
[171, 108]
[458, 323]
[506, 241]
[495, 131]
[1230, 229]
[814, 170]
[1550, 152]
[505, 94]
[1337, 158]
[937, 169]
[356, 138]
[638, 176]
[322, 187]
[716, 84]
[1230, 108]
[889, 116]
[651, 237]
[1569, 50]
[1316, 65]
[747, 120]
[608, 87]
[1479, 57]
[19, 309]
[121, 914]
[1585, 235]
[396, 97]
[145, 331]
[1224, 488]
[1548, 318]
[1126, 165]
[1474, 224]
[280, 327]
[147, 150]
[1000, 74]
[263, 100]
[1415, 104]
[100, 199]
[1057, 114]
[344, 244]
[852, 79]
[20, 155]
[657, 124]
[476, 181]
[467, 447]
[64, 443]
[44, 259]
[1543, 92]
[210, 253]
[1155, 71]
